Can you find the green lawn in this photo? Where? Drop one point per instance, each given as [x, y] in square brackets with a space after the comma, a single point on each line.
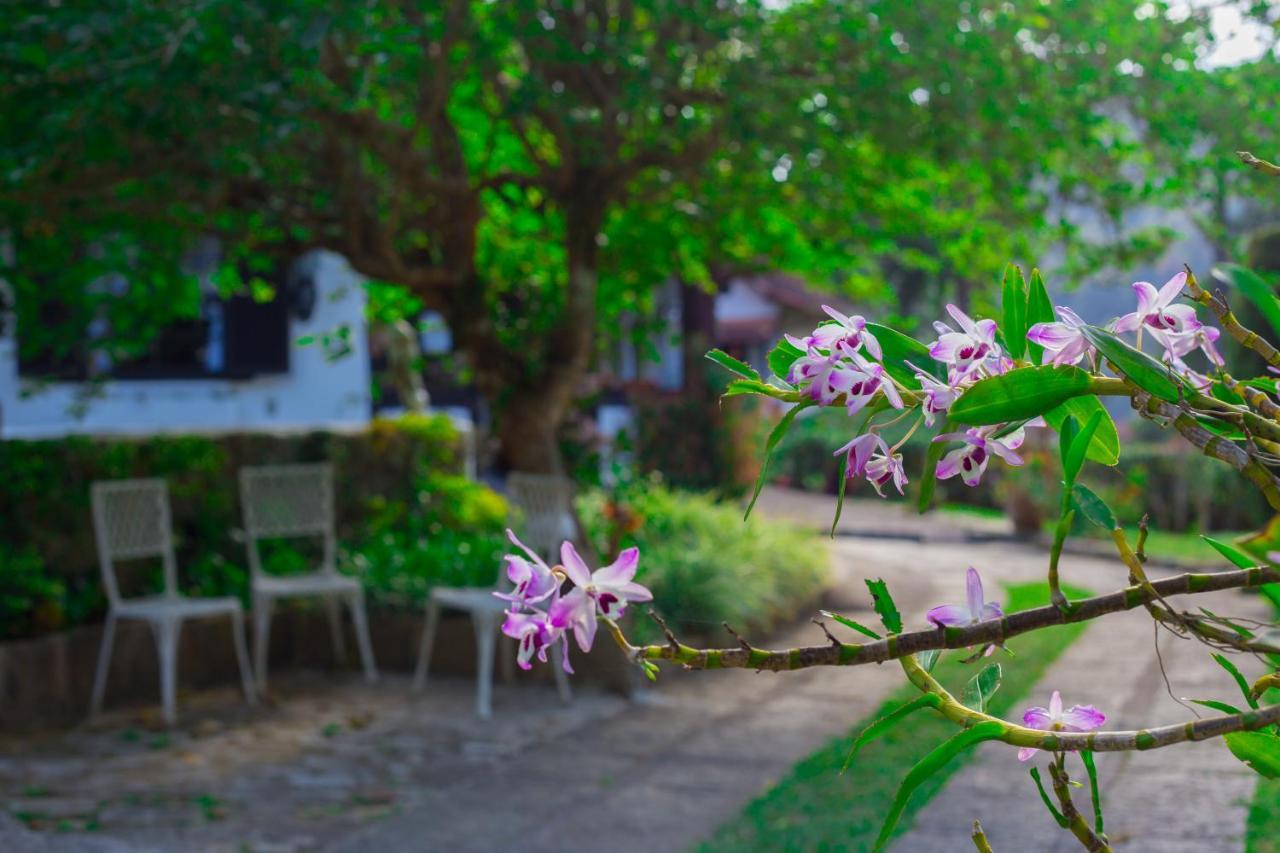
[1263, 835]
[816, 808]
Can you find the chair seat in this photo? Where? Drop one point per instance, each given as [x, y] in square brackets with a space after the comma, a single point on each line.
[316, 583]
[472, 598]
[157, 607]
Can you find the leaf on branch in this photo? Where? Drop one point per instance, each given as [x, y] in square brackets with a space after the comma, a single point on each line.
[1253, 288]
[1135, 365]
[1058, 816]
[888, 721]
[1236, 555]
[782, 356]
[899, 349]
[1013, 299]
[1092, 507]
[1022, 393]
[733, 365]
[1105, 446]
[1216, 705]
[850, 623]
[930, 764]
[1074, 460]
[980, 689]
[928, 659]
[1259, 750]
[1086, 755]
[1066, 435]
[1240, 680]
[884, 606]
[739, 387]
[1039, 310]
[770, 445]
[928, 478]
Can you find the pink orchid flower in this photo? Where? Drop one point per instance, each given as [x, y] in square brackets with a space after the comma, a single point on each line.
[1179, 344]
[609, 590]
[1156, 309]
[822, 377]
[938, 395]
[1077, 718]
[846, 335]
[969, 348]
[1064, 342]
[534, 633]
[532, 579]
[865, 381]
[970, 461]
[869, 457]
[975, 609]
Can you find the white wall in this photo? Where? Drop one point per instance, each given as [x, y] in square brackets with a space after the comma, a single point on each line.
[315, 393]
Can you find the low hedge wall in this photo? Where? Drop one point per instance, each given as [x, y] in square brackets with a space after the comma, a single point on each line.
[406, 516]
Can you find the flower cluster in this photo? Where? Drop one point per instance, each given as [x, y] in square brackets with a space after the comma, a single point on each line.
[541, 616]
[842, 363]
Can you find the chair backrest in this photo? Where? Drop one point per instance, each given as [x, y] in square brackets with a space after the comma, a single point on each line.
[131, 520]
[547, 504]
[287, 501]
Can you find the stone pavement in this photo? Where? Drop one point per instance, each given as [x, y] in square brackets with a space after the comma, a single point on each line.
[342, 766]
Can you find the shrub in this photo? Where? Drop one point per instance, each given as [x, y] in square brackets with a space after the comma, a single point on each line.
[704, 565]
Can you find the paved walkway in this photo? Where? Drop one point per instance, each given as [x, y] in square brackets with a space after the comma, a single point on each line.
[351, 768]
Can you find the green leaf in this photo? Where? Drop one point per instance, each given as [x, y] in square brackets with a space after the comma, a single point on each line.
[1216, 705]
[849, 623]
[733, 365]
[1240, 558]
[980, 689]
[782, 356]
[844, 486]
[1079, 446]
[1066, 435]
[1105, 446]
[1135, 365]
[771, 443]
[1020, 394]
[884, 606]
[928, 477]
[1259, 750]
[1271, 591]
[898, 349]
[1240, 680]
[1013, 299]
[1058, 816]
[888, 721]
[1086, 755]
[928, 659]
[930, 764]
[1251, 287]
[739, 387]
[1039, 310]
[1092, 507]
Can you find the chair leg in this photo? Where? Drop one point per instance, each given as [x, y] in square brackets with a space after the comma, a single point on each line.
[486, 642]
[261, 639]
[361, 622]
[242, 657]
[104, 665]
[335, 630]
[562, 678]
[167, 632]
[425, 647]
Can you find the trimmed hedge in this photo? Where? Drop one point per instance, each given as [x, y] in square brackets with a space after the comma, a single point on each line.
[406, 517]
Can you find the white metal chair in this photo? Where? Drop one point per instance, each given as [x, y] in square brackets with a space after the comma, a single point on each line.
[131, 520]
[546, 504]
[289, 502]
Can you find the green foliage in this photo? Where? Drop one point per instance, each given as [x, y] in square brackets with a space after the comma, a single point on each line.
[979, 690]
[1013, 300]
[882, 601]
[1092, 507]
[1253, 288]
[1135, 365]
[1018, 395]
[27, 593]
[903, 354]
[796, 812]
[706, 566]
[733, 365]
[1105, 446]
[1260, 750]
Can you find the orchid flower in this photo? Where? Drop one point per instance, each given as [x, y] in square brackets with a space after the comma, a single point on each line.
[868, 379]
[609, 589]
[1179, 344]
[968, 348]
[1077, 718]
[858, 452]
[1156, 309]
[970, 461]
[846, 335]
[534, 632]
[823, 377]
[532, 580]
[1064, 342]
[938, 395]
[975, 609]
[868, 456]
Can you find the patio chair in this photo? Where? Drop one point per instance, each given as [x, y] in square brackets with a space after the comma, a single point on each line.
[546, 504]
[131, 520]
[291, 502]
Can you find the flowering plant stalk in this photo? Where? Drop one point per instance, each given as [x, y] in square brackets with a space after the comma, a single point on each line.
[979, 386]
